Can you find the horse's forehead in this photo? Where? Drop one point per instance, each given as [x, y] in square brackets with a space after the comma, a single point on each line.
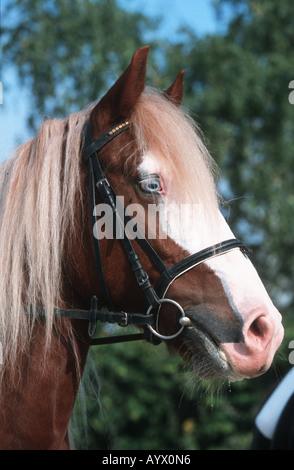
[150, 164]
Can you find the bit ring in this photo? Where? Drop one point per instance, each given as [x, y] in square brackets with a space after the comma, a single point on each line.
[183, 320]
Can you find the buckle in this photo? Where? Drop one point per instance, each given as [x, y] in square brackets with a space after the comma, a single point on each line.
[143, 280]
[125, 320]
[103, 181]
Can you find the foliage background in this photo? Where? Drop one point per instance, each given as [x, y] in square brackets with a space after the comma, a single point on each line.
[67, 53]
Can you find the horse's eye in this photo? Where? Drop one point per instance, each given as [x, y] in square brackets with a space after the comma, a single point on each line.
[150, 184]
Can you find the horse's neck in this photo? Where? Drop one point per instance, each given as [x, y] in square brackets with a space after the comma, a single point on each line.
[37, 397]
[36, 407]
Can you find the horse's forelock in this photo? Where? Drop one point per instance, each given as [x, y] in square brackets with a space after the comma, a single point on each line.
[170, 133]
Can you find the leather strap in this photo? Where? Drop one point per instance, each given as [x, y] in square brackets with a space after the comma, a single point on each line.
[153, 296]
[189, 262]
[91, 147]
[109, 197]
[104, 315]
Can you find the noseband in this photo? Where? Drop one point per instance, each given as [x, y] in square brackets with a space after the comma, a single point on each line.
[154, 296]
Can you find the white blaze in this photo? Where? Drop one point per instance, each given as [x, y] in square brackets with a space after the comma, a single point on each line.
[191, 228]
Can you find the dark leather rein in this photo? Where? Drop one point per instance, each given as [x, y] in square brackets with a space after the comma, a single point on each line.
[154, 297]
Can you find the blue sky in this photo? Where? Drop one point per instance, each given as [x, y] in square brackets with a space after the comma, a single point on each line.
[198, 14]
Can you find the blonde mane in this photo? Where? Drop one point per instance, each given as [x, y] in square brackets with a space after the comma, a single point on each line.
[39, 187]
[168, 131]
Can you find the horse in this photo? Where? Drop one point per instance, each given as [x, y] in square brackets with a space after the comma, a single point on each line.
[112, 215]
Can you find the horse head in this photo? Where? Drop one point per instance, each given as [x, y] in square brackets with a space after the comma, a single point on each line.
[211, 304]
[153, 250]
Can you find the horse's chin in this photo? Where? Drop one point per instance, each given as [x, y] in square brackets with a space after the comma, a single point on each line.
[207, 358]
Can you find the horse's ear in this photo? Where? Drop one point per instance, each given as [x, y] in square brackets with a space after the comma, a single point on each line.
[118, 102]
[176, 91]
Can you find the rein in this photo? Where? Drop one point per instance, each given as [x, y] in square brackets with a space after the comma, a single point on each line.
[154, 297]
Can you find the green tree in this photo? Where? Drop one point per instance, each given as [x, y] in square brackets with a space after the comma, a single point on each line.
[237, 86]
[68, 52]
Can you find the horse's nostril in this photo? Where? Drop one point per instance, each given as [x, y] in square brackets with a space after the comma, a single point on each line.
[260, 331]
[256, 328]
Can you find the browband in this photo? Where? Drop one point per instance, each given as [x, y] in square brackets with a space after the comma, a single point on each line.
[91, 147]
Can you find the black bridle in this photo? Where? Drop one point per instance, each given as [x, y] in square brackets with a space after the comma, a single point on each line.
[154, 297]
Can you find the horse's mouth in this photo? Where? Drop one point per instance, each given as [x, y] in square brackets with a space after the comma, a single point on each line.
[207, 358]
